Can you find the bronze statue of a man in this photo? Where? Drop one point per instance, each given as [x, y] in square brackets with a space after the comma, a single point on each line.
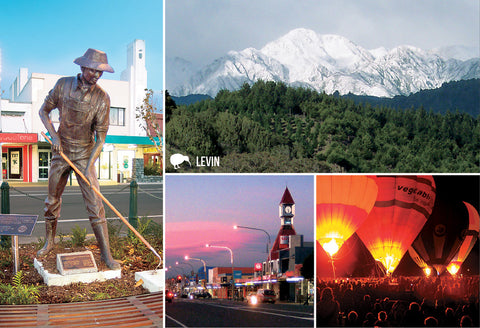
[84, 109]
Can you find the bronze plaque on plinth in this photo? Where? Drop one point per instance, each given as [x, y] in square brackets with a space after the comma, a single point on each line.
[74, 263]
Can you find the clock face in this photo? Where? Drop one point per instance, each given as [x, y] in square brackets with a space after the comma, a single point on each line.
[288, 209]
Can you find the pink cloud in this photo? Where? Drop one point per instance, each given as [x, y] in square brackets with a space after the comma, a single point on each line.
[190, 237]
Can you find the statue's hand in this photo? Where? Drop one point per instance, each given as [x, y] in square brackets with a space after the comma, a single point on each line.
[56, 144]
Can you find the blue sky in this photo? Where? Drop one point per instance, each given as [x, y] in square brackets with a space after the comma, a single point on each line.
[46, 36]
[203, 209]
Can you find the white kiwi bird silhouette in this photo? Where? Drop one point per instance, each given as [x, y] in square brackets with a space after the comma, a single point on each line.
[177, 159]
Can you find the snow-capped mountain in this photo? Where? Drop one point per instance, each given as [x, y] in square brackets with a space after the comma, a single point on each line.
[327, 63]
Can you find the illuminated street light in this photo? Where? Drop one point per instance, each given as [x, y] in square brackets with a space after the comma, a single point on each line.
[231, 260]
[268, 243]
[204, 264]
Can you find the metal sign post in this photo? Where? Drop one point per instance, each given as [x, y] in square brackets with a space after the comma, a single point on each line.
[16, 225]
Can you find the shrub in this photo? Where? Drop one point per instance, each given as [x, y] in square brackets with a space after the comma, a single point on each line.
[18, 293]
[78, 235]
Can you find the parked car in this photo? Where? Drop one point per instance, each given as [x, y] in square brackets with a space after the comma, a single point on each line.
[169, 296]
[203, 295]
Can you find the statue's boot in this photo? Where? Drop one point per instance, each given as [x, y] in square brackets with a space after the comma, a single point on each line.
[51, 228]
[101, 233]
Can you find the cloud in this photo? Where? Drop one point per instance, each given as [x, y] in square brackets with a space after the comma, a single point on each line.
[190, 238]
[201, 31]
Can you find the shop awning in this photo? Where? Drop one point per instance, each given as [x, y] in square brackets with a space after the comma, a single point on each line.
[127, 140]
[135, 140]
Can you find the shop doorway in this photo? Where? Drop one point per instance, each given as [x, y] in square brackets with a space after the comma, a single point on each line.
[44, 160]
[15, 163]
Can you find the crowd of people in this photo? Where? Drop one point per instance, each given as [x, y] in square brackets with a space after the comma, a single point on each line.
[399, 302]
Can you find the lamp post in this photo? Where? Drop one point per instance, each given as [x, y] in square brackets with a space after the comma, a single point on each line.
[191, 266]
[231, 260]
[268, 243]
[204, 264]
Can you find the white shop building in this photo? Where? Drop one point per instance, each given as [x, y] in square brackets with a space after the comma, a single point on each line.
[25, 153]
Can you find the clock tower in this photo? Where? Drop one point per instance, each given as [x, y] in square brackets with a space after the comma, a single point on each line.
[286, 213]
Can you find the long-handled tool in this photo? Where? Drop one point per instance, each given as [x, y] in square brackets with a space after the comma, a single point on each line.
[143, 240]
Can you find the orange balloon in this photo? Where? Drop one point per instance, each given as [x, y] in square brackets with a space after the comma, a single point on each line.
[343, 203]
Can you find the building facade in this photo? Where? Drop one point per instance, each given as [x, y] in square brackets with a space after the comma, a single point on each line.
[26, 155]
[282, 272]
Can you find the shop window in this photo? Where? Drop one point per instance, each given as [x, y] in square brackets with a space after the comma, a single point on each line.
[117, 116]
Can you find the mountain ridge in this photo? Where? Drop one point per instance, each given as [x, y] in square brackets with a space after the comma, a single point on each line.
[327, 62]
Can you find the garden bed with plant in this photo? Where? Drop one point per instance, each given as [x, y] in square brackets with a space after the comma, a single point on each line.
[27, 286]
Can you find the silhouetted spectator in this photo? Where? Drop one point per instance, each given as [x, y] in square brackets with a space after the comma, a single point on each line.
[466, 321]
[449, 320]
[365, 306]
[430, 322]
[352, 320]
[382, 320]
[328, 309]
[369, 320]
[413, 316]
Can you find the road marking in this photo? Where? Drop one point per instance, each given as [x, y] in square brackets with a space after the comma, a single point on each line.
[279, 310]
[264, 312]
[176, 321]
[114, 218]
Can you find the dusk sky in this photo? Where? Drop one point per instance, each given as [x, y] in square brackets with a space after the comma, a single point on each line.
[201, 31]
[203, 209]
[46, 36]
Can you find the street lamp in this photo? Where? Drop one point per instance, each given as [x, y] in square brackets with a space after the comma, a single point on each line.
[204, 264]
[191, 266]
[231, 260]
[268, 243]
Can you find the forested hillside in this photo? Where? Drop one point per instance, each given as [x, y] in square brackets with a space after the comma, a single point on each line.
[463, 96]
[269, 127]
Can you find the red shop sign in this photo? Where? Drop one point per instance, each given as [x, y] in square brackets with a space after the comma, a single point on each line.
[19, 137]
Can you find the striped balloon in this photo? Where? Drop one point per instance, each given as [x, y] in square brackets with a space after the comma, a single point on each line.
[402, 207]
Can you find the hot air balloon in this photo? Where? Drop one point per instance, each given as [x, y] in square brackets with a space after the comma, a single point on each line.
[447, 238]
[403, 205]
[471, 236]
[343, 203]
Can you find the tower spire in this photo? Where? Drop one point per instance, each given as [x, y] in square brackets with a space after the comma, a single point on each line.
[286, 214]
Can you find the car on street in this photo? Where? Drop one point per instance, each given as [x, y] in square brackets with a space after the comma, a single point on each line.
[261, 296]
[203, 295]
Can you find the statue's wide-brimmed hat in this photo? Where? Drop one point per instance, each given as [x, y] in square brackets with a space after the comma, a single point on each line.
[94, 59]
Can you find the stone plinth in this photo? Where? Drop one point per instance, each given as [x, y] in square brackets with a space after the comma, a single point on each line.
[153, 280]
[52, 279]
